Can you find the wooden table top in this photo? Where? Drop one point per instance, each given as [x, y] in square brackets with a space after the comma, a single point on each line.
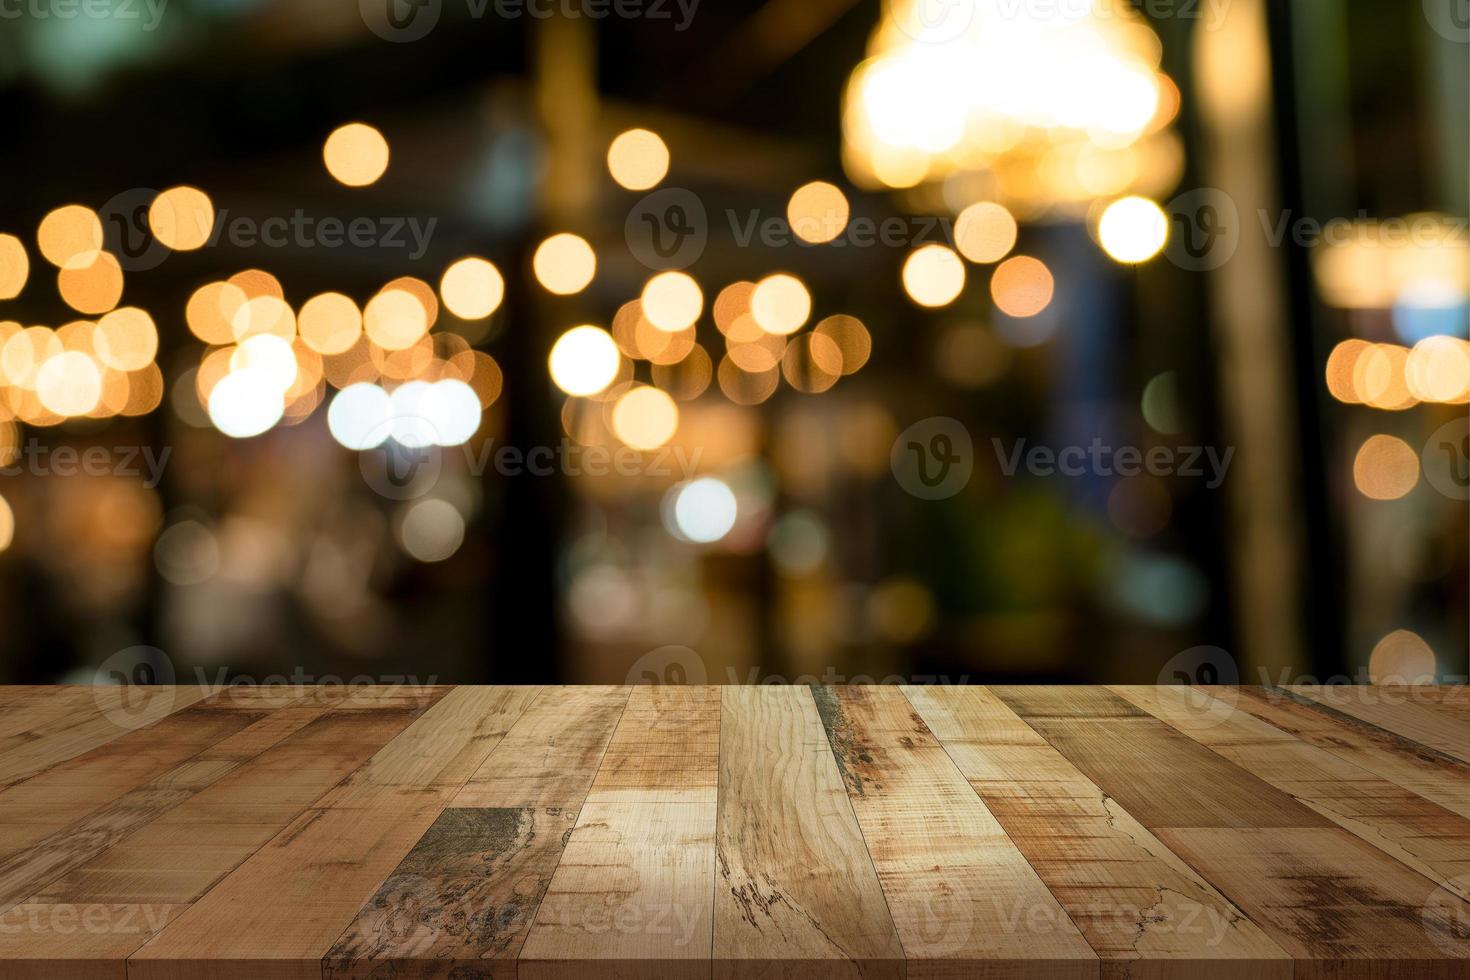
[587, 832]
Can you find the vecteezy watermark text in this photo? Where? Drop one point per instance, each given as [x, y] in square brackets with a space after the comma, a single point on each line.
[404, 21]
[148, 11]
[34, 459]
[1099, 459]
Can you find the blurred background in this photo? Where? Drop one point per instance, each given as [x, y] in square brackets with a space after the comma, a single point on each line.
[594, 341]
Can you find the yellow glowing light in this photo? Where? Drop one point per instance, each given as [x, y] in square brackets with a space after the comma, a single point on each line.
[638, 159]
[1022, 286]
[584, 360]
[395, 319]
[1341, 369]
[985, 232]
[1438, 369]
[853, 342]
[356, 154]
[1402, 658]
[211, 310]
[15, 267]
[732, 303]
[1380, 378]
[472, 288]
[645, 417]
[780, 304]
[933, 276]
[564, 264]
[182, 218]
[818, 212]
[1133, 229]
[70, 235]
[329, 323]
[747, 387]
[94, 287]
[264, 315]
[686, 378]
[126, 339]
[672, 301]
[1386, 468]
[69, 384]
[7, 524]
[812, 363]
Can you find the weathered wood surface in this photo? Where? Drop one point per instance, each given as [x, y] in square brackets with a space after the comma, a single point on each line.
[1125, 833]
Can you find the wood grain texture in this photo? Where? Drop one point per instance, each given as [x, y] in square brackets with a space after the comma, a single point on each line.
[797, 895]
[96, 718]
[1145, 912]
[411, 832]
[1421, 835]
[551, 755]
[1396, 710]
[964, 900]
[1433, 775]
[281, 910]
[465, 896]
[633, 896]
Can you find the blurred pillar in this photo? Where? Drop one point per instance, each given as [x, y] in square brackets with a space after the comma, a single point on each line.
[1251, 325]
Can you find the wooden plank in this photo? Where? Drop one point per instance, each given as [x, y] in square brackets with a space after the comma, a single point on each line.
[38, 706]
[1319, 892]
[633, 895]
[115, 711]
[70, 791]
[302, 752]
[1433, 775]
[1428, 838]
[50, 941]
[797, 895]
[666, 748]
[1155, 773]
[963, 898]
[1394, 710]
[1146, 913]
[467, 892]
[280, 911]
[552, 753]
[1334, 902]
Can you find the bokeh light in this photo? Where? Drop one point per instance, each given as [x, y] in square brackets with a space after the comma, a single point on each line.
[1133, 230]
[15, 266]
[984, 232]
[70, 235]
[94, 287]
[472, 288]
[1402, 658]
[431, 530]
[356, 154]
[645, 417]
[1022, 286]
[638, 159]
[182, 218]
[329, 323]
[584, 360]
[672, 301]
[933, 276]
[1386, 468]
[703, 510]
[818, 212]
[780, 304]
[564, 264]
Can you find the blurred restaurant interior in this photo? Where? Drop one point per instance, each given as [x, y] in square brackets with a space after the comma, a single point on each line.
[605, 341]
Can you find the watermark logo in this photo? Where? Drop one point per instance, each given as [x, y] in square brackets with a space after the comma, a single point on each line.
[135, 686]
[401, 21]
[1097, 458]
[1446, 459]
[1450, 19]
[932, 21]
[126, 232]
[1446, 916]
[934, 458]
[671, 665]
[1193, 671]
[396, 471]
[1204, 229]
[667, 229]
